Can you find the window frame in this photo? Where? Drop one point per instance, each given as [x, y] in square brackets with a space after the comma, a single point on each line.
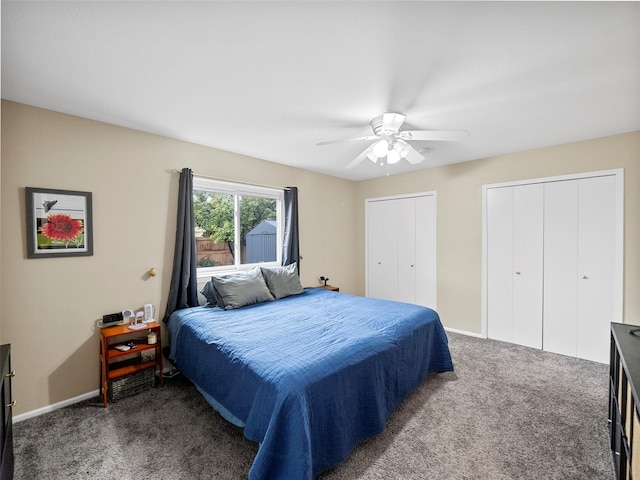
[236, 190]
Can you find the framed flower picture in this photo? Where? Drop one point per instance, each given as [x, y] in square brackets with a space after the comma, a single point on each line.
[59, 223]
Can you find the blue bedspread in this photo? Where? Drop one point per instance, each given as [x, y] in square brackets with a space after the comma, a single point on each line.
[309, 376]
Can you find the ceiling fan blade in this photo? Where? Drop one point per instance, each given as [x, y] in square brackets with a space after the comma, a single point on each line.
[434, 135]
[392, 121]
[413, 156]
[356, 139]
[360, 157]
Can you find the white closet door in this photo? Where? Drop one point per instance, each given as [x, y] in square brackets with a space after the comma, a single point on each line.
[581, 258]
[514, 262]
[527, 264]
[579, 280]
[401, 249]
[425, 260]
[560, 267]
[406, 250]
[500, 263]
[596, 266]
[382, 253]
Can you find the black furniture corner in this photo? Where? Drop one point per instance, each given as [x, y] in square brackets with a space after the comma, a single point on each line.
[6, 436]
[624, 402]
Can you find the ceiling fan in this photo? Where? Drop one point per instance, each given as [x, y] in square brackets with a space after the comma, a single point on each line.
[391, 142]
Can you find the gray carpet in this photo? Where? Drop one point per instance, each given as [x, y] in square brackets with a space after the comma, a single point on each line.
[507, 412]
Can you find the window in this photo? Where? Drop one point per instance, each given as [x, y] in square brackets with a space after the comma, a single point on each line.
[231, 218]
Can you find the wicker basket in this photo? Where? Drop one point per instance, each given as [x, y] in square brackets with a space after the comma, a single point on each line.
[131, 384]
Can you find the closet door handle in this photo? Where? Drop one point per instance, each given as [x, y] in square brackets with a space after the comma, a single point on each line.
[11, 405]
[10, 374]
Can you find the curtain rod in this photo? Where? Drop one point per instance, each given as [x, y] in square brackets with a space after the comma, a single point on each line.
[234, 181]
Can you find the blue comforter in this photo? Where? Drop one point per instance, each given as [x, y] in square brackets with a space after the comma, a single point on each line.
[308, 376]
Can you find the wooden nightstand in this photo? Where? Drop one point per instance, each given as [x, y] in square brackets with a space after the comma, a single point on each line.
[116, 364]
[330, 287]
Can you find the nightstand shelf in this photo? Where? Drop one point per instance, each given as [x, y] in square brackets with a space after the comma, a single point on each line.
[113, 353]
[330, 287]
[112, 374]
[116, 364]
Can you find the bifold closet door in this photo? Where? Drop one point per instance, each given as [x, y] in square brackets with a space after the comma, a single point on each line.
[382, 249]
[579, 266]
[425, 256]
[406, 250]
[417, 250]
[596, 274]
[561, 267]
[401, 249]
[514, 264]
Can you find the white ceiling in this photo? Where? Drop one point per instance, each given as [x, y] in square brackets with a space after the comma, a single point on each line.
[272, 79]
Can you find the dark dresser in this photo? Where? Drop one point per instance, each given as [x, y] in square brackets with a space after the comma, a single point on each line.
[624, 404]
[6, 447]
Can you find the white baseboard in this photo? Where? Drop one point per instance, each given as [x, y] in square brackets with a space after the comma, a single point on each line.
[464, 332]
[80, 398]
[55, 406]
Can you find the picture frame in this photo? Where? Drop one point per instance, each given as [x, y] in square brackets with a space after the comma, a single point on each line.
[59, 223]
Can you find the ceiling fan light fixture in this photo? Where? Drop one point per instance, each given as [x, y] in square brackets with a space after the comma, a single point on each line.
[391, 144]
[393, 157]
[388, 123]
[381, 148]
[402, 148]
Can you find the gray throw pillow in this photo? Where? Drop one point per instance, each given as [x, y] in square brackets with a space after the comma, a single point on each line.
[239, 289]
[283, 281]
[209, 293]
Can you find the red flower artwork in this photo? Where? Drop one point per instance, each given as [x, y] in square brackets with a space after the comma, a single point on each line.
[61, 226]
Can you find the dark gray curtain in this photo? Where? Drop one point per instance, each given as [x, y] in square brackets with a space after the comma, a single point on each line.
[291, 243]
[183, 291]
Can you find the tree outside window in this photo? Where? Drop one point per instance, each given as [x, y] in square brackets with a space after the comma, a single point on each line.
[214, 215]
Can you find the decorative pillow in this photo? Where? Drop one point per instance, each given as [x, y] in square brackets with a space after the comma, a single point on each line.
[282, 281]
[209, 293]
[236, 290]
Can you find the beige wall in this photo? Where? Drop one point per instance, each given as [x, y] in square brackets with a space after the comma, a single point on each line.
[49, 306]
[459, 210]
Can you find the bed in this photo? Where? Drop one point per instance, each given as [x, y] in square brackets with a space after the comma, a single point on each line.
[308, 376]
